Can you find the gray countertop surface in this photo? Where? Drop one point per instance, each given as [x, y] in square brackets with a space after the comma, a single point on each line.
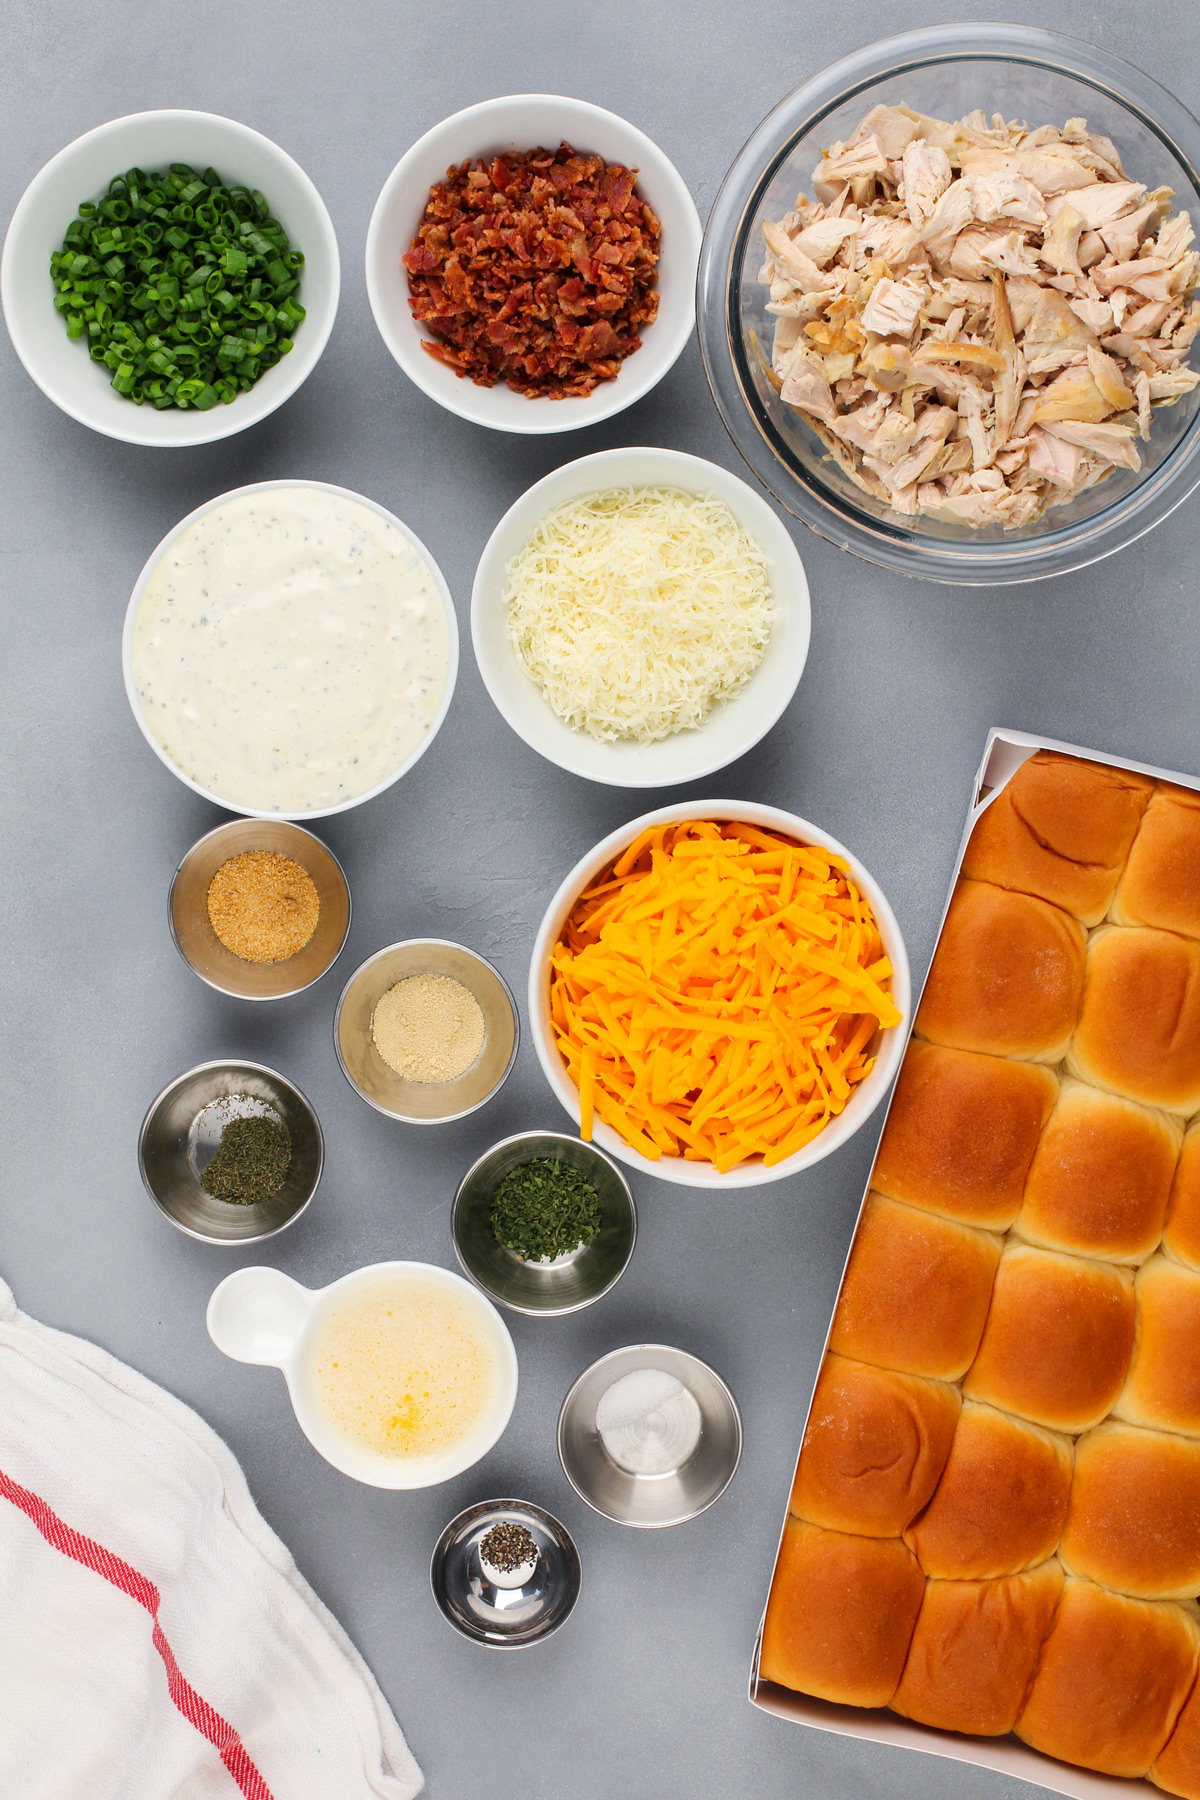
[644, 1692]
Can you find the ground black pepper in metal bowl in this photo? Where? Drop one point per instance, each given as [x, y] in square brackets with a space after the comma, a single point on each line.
[507, 1547]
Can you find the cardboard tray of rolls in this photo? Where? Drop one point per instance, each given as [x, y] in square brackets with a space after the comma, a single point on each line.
[992, 1547]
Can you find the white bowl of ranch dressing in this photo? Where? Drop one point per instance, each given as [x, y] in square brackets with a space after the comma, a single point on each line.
[290, 650]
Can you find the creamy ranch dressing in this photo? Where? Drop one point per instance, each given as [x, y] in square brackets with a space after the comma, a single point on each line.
[290, 650]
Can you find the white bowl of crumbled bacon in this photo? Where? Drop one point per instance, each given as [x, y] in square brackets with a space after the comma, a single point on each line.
[531, 263]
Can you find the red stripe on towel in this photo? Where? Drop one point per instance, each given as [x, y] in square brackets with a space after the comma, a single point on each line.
[122, 1575]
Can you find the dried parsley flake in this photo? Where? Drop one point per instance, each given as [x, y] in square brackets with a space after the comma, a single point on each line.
[544, 1209]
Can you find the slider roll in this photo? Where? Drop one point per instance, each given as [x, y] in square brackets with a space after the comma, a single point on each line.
[1134, 1519]
[1139, 1024]
[1163, 1386]
[1001, 1502]
[1101, 1178]
[1060, 828]
[1181, 1235]
[1177, 1768]
[916, 1291]
[1161, 883]
[1058, 1339]
[875, 1445]
[962, 1132]
[1006, 976]
[974, 1650]
[1113, 1676]
[840, 1615]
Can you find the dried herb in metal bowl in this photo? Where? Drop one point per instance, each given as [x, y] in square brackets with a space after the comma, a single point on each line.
[251, 1163]
[544, 1209]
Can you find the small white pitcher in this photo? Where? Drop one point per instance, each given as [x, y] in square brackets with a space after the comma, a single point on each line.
[260, 1315]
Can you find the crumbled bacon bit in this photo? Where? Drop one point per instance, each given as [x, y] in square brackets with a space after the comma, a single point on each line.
[536, 270]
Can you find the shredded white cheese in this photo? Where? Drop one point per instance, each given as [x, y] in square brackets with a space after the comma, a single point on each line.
[637, 610]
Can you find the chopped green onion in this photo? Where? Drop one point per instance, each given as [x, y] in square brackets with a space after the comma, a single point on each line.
[182, 287]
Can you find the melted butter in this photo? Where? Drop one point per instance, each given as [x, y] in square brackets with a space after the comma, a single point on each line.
[404, 1369]
[290, 651]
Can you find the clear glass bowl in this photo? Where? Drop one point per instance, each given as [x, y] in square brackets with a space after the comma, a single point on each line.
[943, 70]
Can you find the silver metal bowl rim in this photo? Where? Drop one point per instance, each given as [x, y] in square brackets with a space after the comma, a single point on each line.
[651, 1524]
[543, 1312]
[443, 1118]
[235, 993]
[439, 1550]
[231, 1062]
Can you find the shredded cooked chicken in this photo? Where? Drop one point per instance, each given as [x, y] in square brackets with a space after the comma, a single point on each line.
[979, 320]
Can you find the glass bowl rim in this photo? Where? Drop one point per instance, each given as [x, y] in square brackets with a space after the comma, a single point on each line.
[893, 545]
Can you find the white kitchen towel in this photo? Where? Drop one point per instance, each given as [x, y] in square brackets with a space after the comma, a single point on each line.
[157, 1641]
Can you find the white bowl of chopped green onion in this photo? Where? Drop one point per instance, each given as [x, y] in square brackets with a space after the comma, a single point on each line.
[170, 278]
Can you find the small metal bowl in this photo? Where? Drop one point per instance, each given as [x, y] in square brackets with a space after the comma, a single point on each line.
[649, 1502]
[425, 1102]
[570, 1282]
[505, 1618]
[202, 949]
[180, 1135]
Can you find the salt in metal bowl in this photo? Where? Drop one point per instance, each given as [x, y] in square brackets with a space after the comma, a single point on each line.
[571, 1281]
[649, 1502]
[505, 1618]
[180, 1135]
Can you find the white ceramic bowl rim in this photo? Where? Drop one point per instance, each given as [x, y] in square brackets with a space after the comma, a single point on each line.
[688, 755]
[135, 600]
[866, 1097]
[136, 424]
[464, 134]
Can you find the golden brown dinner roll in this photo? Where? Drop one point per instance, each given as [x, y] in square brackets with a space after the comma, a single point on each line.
[915, 1293]
[974, 1650]
[1161, 883]
[1162, 1388]
[1006, 975]
[1139, 1024]
[875, 1445]
[1177, 1769]
[1101, 1178]
[1000, 1504]
[1060, 828]
[1181, 1234]
[1112, 1677]
[961, 1133]
[1134, 1518]
[840, 1615]
[1058, 1339]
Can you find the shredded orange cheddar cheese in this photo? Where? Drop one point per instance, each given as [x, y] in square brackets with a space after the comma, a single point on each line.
[715, 993]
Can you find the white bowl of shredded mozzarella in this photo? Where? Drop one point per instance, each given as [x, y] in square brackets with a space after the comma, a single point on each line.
[640, 617]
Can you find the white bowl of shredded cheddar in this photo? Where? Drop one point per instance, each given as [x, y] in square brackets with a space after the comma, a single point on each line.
[719, 994]
[641, 617]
